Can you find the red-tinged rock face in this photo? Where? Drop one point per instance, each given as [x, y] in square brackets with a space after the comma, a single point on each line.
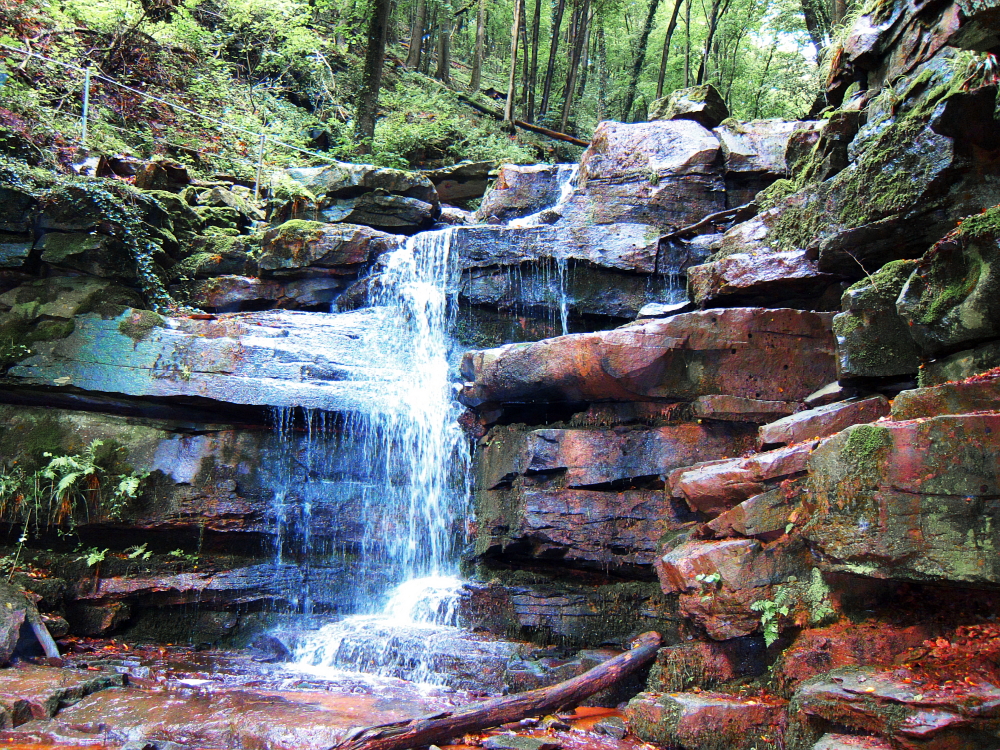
[918, 497]
[948, 398]
[706, 664]
[751, 353]
[912, 712]
[717, 486]
[865, 644]
[297, 245]
[743, 276]
[822, 421]
[690, 719]
[667, 174]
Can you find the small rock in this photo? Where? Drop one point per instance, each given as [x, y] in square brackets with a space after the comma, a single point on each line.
[828, 394]
[613, 726]
[517, 742]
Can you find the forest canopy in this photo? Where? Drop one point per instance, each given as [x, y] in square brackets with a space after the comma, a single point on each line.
[296, 69]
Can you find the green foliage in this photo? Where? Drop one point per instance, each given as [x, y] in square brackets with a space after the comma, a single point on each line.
[770, 612]
[92, 556]
[67, 487]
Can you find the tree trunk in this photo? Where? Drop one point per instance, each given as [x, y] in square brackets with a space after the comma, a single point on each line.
[602, 73]
[687, 43]
[817, 24]
[719, 8]
[640, 58]
[529, 114]
[443, 726]
[585, 60]
[417, 35]
[477, 55]
[444, 46]
[428, 44]
[515, 37]
[666, 48]
[522, 100]
[557, 17]
[371, 78]
[574, 63]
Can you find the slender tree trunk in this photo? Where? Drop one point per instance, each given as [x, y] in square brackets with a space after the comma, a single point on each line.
[371, 78]
[515, 37]
[444, 46]
[818, 23]
[763, 80]
[602, 73]
[640, 58]
[574, 64]
[529, 115]
[522, 100]
[553, 50]
[428, 44]
[719, 8]
[417, 35]
[477, 55]
[585, 60]
[666, 47]
[687, 43]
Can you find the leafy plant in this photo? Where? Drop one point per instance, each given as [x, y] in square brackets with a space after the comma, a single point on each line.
[93, 556]
[139, 551]
[66, 486]
[770, 611]
[191, 558]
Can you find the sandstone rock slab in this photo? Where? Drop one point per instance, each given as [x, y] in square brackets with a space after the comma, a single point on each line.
[823, 421]
[745, 277]
[981, 393]
[745, 352]
[699, 721]
[918, 497]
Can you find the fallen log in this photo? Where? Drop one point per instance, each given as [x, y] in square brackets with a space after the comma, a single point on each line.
[441, 727]
[730, 215]
[554, 134]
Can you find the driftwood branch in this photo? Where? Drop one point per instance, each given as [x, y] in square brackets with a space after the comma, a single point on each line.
[443, 726]
[730, 215]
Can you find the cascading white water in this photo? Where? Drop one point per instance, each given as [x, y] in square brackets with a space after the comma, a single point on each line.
[414, 457]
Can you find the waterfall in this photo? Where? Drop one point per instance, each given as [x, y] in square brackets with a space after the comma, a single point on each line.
[566, 175]
[408, 463]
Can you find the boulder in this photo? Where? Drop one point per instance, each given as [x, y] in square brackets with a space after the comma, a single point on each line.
[388, 199]
[208, 257]
[952, 299]
[665, 174]
[703, 721]
[297, 245]
[981, 393]
[754, 353]
[45, 690]
[765, 516]
[716, 486]
[706, 664]
[918, 497]
[462, 181]
[895, 703]
[162, 174]
[961, 365]
[736, 409]
[744, 278]
[521, 190]
[234, 293]
[822, 421]
[734, 564]
[873, 341]
[703, 104]
[15, 610]
[761, 145]
[867, 644]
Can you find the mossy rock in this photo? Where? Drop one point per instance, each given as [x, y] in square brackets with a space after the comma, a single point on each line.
[220, 217]
[952, 300]
[186, 222]
[703, 104]
[872, 340]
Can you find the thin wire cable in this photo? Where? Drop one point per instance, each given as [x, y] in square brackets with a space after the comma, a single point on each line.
[174, 105]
